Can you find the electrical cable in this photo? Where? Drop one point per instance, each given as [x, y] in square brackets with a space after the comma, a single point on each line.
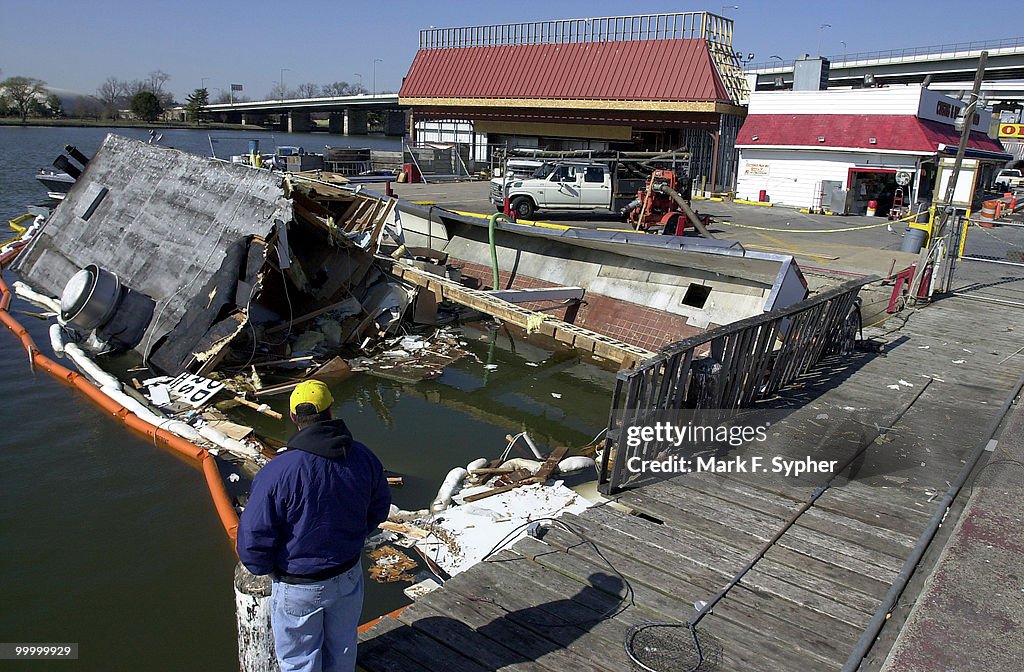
[611, 612]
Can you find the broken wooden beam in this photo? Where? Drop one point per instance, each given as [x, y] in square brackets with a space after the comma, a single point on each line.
[485, 302]
[539, 294]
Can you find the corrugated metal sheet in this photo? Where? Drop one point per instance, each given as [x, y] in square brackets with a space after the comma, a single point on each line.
[891, 132]
[645, 70]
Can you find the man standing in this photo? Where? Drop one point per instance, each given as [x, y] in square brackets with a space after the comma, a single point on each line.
[309, 513]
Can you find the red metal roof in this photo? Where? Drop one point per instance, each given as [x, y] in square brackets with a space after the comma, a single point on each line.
[662, 70]
[897, 132]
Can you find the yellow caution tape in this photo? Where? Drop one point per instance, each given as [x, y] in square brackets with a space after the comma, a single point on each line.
[839, 230]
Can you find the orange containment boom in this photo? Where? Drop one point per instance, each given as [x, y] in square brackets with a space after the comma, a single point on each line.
[197, 455]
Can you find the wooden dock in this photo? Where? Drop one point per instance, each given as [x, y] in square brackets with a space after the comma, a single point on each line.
[568, 602]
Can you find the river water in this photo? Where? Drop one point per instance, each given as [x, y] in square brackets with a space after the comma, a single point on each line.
[110, 542]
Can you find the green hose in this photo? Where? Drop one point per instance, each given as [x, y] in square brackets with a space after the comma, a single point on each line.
[494, 250]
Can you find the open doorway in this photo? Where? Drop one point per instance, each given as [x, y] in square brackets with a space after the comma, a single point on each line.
[873, 184]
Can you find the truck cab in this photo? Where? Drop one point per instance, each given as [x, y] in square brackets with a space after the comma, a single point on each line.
[562, 185]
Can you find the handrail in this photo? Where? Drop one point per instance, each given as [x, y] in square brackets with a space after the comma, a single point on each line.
[726, 368]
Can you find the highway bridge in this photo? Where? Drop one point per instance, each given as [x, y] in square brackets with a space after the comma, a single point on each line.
[346, 114]
[951, 67]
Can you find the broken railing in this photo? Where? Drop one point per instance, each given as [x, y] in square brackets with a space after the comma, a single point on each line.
[726, 368]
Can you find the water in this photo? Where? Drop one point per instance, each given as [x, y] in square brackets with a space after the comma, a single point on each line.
[110, 542]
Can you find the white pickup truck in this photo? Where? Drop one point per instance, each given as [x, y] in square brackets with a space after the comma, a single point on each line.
[564, 185]
[1009, 179]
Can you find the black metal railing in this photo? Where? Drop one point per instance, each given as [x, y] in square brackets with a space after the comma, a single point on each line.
[724, 369]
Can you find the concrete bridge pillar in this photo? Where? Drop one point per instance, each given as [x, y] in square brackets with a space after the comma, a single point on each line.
[336, 123]
[355, 121]
[299, 122]
[394, 122]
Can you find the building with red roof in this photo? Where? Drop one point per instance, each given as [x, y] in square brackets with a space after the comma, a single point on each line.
[645, 82]
[840, 149]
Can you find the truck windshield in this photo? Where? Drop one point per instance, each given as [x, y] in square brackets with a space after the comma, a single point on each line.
[543, 171]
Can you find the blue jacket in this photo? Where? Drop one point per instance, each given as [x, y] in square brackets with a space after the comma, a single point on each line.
[312, 507]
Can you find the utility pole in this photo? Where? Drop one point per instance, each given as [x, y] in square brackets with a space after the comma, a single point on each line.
[946, 209]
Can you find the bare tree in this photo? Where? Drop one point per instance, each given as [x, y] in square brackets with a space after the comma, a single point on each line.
[23, 93]
[278, 92]
[336, 89]
[155, 81]
[88, 106]
[111, 95]
[307, 90]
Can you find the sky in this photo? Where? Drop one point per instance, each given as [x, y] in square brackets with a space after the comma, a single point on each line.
[74, 45]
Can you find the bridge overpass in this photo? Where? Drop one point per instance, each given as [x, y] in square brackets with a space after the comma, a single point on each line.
[346, 114]
[951, 67]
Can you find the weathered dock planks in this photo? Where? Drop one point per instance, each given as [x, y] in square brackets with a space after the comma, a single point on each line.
[558, 604]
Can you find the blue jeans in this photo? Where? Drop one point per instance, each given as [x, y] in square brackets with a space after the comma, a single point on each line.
[315, 623]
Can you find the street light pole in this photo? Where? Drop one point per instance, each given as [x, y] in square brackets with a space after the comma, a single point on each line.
[202, 82]
[375, 62]
[282, 81]
[821, 31]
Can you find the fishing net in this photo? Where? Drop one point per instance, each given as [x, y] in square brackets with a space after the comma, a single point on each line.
[671, 647]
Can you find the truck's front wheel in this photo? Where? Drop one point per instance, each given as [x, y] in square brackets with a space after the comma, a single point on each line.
[523, 207]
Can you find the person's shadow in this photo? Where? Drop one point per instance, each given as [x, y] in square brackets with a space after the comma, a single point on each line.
[466, 628]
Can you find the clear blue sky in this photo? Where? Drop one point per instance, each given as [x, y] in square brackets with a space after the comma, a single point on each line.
[75, 45]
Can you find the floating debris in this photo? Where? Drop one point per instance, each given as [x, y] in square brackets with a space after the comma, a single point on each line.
[390, 565]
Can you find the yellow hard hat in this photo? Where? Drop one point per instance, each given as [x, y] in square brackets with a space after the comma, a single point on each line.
[311, 392]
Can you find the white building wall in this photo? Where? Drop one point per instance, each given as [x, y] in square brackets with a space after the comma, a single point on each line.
[910, 100]
[888, 100]
[453, 131]
[794, 177]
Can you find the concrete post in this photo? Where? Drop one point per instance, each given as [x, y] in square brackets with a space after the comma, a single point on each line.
[355, 121]
[394, 122]
[252, 611]
[299, 122]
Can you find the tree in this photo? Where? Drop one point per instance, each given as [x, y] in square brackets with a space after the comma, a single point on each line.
[111, 95]
[155, 82]
[278, 92]
[54, 105]
[196, 104]
[146, 105]
[336, 89]
[307, 90]
[88, 106]
[22, 93]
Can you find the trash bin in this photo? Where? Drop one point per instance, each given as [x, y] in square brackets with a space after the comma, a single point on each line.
[872, 207]
[762, 196]
[914, 240]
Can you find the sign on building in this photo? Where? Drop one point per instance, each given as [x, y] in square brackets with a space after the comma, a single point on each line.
[756, 169]
[1015, 131]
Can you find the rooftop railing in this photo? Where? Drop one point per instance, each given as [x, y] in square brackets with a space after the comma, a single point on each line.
[673, 26]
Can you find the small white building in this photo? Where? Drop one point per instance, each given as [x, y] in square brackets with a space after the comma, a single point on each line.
[840, 149]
